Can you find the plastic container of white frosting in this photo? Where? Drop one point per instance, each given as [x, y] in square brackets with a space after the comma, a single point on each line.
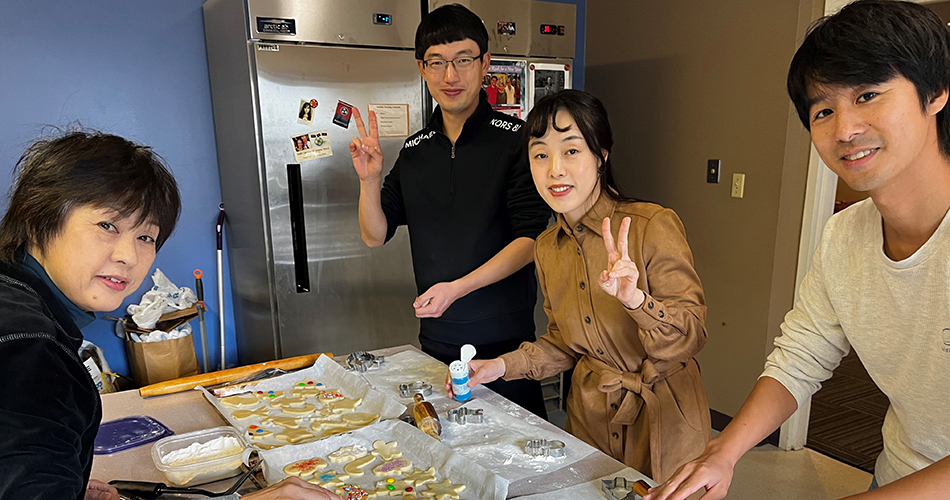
[199, 457]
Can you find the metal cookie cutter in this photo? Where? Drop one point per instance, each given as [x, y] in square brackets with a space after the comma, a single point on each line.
[619, 485]
[544, 448]
[362, 361]
[464, 416]
[417, 387]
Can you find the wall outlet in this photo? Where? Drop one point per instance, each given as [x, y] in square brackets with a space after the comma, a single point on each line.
[738, 185]
[712, 171]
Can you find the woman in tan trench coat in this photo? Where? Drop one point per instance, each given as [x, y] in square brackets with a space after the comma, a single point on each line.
[627, 313]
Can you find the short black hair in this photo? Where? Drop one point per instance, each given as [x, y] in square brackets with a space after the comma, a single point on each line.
[447, 24]
[869, 42]
[86, 168]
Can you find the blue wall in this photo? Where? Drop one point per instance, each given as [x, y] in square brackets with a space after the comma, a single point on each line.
[135, 69]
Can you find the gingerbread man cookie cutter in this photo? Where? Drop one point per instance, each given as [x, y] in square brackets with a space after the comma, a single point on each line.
[413, 388]
[544, 448]
[464, 416]
[362, 361]
[635, 489]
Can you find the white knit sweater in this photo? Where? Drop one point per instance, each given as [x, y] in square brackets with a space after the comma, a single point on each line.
[896, 316]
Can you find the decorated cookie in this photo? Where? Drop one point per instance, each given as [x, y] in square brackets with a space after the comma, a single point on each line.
[305, 468]
[355, 468]
[348, 453]
[330, 395]
[240, 400]
[307, 388]
[288, 401]
[418, 477]
[386, 451]
[294, 435]
[353, 492]
[269, 395]
[392, 487]
[286, 422]
[306, 409]
[245, 414]
[392, 467]
[329, 479]
[359, 419]
[344, 405]
[443, 490]
[258, 432]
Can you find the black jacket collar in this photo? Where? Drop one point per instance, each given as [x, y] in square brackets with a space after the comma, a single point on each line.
[59, 312]
[472, 124]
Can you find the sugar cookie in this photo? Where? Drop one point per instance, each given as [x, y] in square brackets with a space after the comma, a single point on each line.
[418, 477]
[334, 432]
[359, 419]
[288, 401]
[348, 453]
[258, 432]
[269, 395]
[392, 467]
[329, 479]
[294, 435]
[386, 451]
[355, 468]
[443, 490]
[245, 414]
[353, 492]
[305, 468]
[344, 405]
[240, 400]
[307, 388]
[286, 422]
[330, 395]
[392, 487]
[306, 409]
[323, 424]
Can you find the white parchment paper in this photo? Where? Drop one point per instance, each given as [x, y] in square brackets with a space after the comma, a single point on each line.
[592, 489]
[324, 370]
[407, 367]
[498, 443]
[417, 446]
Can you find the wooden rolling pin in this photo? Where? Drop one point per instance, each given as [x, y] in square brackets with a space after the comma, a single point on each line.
[641, 487]
[222, 376]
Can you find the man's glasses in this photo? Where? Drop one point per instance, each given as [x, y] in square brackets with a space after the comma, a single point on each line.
[436, 67]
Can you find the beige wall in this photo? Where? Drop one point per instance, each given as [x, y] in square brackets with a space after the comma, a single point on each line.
[689, 80]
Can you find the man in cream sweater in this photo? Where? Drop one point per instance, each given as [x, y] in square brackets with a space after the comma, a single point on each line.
[871, 85]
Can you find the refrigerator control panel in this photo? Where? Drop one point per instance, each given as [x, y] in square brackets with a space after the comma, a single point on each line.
[382, 19]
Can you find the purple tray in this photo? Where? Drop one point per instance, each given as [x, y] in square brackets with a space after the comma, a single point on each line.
[129, 432]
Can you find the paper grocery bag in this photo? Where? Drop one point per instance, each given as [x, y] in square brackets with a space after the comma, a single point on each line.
[153, 362]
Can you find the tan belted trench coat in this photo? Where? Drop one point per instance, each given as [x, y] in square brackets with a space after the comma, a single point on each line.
[636, 392]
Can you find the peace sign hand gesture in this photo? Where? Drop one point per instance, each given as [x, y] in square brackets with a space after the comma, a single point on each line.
[367, 157]
[620, 277]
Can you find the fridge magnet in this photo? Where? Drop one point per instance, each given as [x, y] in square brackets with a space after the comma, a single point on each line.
[342, 115]
[311, 146]
[392, 119]
[305, 111]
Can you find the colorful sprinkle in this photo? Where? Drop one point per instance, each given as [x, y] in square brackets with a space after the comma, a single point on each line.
[253, 427]
[390, 487]
[390, 480]
[310, 383]
[409, 488]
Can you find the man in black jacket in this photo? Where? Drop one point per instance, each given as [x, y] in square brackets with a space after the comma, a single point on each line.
[463, 187]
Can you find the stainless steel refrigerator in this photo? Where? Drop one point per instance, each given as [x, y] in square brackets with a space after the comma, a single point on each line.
[283, 75]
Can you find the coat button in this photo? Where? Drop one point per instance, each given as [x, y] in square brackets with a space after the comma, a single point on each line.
[613, 406]
[615, 435]
[600, 351]
[580, 229]
[583, 286]
[587, 319]
[650, 305]
[578, 251]
[660, 314]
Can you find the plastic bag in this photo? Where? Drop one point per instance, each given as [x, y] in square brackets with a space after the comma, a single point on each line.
[163, 297]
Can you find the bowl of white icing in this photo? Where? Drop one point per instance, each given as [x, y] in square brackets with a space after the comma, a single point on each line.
[199, 457]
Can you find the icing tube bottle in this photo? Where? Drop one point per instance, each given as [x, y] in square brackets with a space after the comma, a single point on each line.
[427, 420]
[458, 371]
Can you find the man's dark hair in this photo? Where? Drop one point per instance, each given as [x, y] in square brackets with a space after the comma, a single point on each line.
[81, 168]
[869, 42]
[447, 24]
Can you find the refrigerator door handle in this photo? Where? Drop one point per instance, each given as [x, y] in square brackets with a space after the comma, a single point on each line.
[298, 230]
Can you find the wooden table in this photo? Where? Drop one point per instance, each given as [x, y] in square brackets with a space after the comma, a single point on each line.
[189, 411]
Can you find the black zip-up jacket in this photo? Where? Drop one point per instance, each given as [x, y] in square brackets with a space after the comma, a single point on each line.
[50, 412]
[463, 204]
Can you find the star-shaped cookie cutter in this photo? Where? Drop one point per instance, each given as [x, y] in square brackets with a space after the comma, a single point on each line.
[544, 448]
[464, 416]
[636, 489]
[417, 387]
[362, 361]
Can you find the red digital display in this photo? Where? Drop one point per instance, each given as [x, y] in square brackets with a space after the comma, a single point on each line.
[548, 29]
